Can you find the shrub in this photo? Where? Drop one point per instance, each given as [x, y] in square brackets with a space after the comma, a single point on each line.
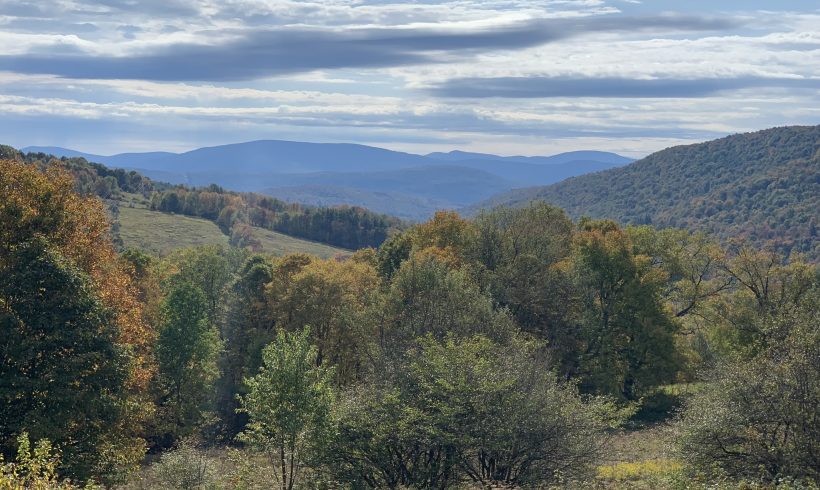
[186, 468]
[467, 410]
[759, 418]
[34, 468]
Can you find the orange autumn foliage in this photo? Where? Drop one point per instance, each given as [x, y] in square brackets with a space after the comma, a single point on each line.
[44, 204]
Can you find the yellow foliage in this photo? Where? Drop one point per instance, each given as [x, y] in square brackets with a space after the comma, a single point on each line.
[34, 469]
[446, 230]
[446, 256]
[332, 298]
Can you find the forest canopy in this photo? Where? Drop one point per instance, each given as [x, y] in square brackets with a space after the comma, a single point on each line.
[502, 350]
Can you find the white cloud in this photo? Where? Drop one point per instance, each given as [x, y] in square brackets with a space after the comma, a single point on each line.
[370, 105]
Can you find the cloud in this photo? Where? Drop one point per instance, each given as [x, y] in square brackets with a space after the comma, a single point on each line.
[266, 53]
[546, 87]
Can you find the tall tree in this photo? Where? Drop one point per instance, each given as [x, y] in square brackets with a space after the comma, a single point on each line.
[426, 296]
[288, 404]
[628, 338]
[62, 375]
[187, 350]
[248, 327]
[333, 298]
[210, 268]
[521, 253]
[43, 221]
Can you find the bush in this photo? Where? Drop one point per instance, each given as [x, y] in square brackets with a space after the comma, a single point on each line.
[186, 468]
[758, 418]
[467, 410]
[34, 468]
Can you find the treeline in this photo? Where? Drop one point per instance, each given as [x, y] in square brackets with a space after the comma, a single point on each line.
[90, 178]
[343, 226]
[234, 212]
[499, 351]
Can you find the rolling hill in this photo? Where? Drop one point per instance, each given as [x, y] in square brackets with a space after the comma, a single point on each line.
[762, 186]
[158, 216]
[401, 184]
[161, 233]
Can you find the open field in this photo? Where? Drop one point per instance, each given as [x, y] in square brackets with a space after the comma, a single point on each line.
[161, 233]
[279, 244]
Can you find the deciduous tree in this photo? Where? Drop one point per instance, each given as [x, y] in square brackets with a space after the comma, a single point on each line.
[288, 404]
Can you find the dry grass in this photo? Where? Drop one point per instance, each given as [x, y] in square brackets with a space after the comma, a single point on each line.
[639, 459]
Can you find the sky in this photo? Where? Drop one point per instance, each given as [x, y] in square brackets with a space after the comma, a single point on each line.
[511, 77]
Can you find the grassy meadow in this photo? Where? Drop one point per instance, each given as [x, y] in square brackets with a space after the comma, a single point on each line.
[160, 233]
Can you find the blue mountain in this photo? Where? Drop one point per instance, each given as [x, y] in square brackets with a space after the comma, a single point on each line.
[399, 183]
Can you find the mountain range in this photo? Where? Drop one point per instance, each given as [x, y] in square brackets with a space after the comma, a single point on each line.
[405, 185]
[763, 187]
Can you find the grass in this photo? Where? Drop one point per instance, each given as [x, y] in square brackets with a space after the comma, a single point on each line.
[161, 233]
[641, 459]
[278, 244]
[639, 470]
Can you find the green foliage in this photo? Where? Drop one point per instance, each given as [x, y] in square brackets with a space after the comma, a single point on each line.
[627, 336]
[63, 374]
[466, 410]
[9, 153]
[210, 269]
[761, 187]
[33, 468]
[186, 467]
[521, 253]
[187, 350]
[765, 286]
[427, 297]
[392, 253]
[459, 346]
[693, 264]
[758, 418]
[288, 404]
[245, 332]
[96, 179]
[628, 343]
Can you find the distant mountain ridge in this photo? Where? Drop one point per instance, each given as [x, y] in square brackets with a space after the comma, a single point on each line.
[402, 184]
[561, 158]
[762, 186]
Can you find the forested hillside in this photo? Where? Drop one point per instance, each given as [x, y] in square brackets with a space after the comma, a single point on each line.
[763, 187]
[237, 214]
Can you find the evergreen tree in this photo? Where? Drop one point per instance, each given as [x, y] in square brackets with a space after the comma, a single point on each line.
[62, 374]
